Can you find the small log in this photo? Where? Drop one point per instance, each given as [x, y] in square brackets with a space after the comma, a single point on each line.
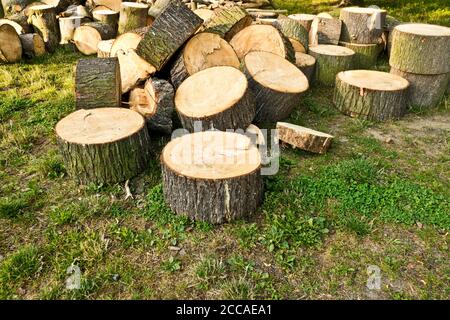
[32, 45]
[305, 20]
[10, 45]
[304, 138]
[262, 38]
[105, 145]
[306, 64]
[204, 50]
[228, 22]
[11, 7]
[371, 95]
[295, 32]
[421, 49]
[133, 69]
[17, 27]
[325, 31]
[366, 55]
[97, 83]
[218, 97]
[43, 19]
[113, 5]
[104, 48]
[62, 5]
[67, 26]
[218, 180]
[425, 90]
[362, 25]
[165, 37]
[330, 60]
[155, 102]
[107, 17]
[133, 15]
[128, 40]
[276, 83]
[87, 36]
[75, 11]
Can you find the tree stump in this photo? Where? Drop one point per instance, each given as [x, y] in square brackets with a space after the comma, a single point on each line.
[43, 19]
[325, 31]
[87, 36]
[212, 176]
[262, 38]
[67, 26]
[366, 55]
[97, 83]
[330, 60]
[32, 45]
[304, 138]
[165, 37]
[133, 15]
[421, 49]
[10, 45]
[217, 97]
[371, 95]
[276, 83]
[425, 90]
[295, 32]
[104, 48]
[204, 50]
[109, 17]
[304, 20]
[155, 102]
[106, 145]
[362, 25]
[306, 64]
[228, 22]
[133, 69]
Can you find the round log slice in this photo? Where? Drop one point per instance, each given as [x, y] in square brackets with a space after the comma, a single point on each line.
[19, 29]
[362, 25]
[43, 19]
[10, 45]
[87, 36]
[304, 138]
[306, 64]
[366, 55]
[304, 20]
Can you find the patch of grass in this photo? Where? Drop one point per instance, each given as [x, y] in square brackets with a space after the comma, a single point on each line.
[209, 271]
[22, 203]
[172, 265]
[51, 166]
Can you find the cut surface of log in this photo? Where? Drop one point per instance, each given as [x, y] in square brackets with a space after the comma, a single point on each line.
[133, 15]
[67, 26]
[304, 20]
[107, 17]
[15, 25]
[32, 45]
[330, 60]
[105, 145]
[43, 19]
[128, 40]
[325, 31]
[306, 64]
[425, 91]
[366, 55]
[110, 4]
[372, 95]
[104, 48]
[262, 38]
[97, 83]
[87, 36]
[133, 69]
[204, 50]
[10, 45]
[228, 22]
[304, 138]
[217, 97]
[421, 48]
[295, 32]
[276, 84]
[212, 176]
[362, 25]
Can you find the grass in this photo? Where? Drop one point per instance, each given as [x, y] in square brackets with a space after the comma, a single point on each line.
[379, 197]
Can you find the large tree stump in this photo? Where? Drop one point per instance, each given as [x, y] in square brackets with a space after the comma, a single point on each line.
[204, 50]
[362, 25]
[133, 69]
[32, 45]
[276, 83]
[228, 22]
[325, 31]
[330, 60]
[107, 17]
[10, 46]
[11, 7]
[173, 27]
[217, 97]
[155, 102]
[366, 55]
[304, 20]
[371, 95]
[105, 145]
[425, 90]
[212, 176]
[87, 36]
[421, 49]
[104, 48]
[304, 138]
[306, 64]
[262, 38]
[43, 19]
[295, 32]
[67, 26]
[97, 83]
[133, 15]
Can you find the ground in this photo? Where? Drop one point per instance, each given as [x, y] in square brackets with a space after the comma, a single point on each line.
[377, 200]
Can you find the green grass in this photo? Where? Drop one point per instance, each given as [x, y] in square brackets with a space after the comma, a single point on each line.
[324, 220]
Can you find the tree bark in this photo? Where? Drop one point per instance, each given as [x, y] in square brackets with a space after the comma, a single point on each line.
[43, 19]
[107, 17]
[10, 46]
[325, 31]
[293, 31]
[366, 55]
[61, 5]
[132, 16]
[32, 44]
[362, 25]
[304, 20]
[304, 138]
[307, 64]
[228, 22]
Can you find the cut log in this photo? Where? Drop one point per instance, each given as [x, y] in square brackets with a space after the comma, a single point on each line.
[133, 15]
[228, 22]
[296, 33]
[366, 55]
[105, 145]
[325, 31]
[128, 40]
[87, 37]
[67, 26]
[262, 38]
[97, 83]
[104, 48]
[421, 49]
[22, 20]
[75, 11]
[362, 25]
[155, 102]
[391, 23]
[265, 21]
[10, 46]
[133, 69]
[43, 19]
[212, 176]
[276, 83]
[425, 91]
[371, 95]
[204, 50]
[15, 25]
[218, 98]
[330, 60]
[11, 7]
[61, 5]
[305, 20]
[110, 4]
[205, 14]
[158, 7]
[107, 17]
[306, 64]
[32, 45]
[173, 27]
[304, 138]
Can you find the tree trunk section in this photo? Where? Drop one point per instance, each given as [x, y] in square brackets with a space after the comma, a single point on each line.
[325, 31]
[22, 20]
[133, 69]
[87, 36]
[366, 55]
[362, 25]
[67, 26]
[43, 19]
[32, 44]
[11, 7]
[132, 16]
[304, 20]
[304, 138]
[10, 46]
[108, 17]
[228, 22]
[307, 64]
[294, 31]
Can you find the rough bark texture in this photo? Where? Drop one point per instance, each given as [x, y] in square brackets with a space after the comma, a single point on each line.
[303, 138]
[391, 23]
[45, 24]
[32, 45]
[369, 104]
[425, 91]
[14, 6]
[97, 83]
[173, 27]
[132, 18]
[178, 71]
[327, 67]
[304, 20]
[307, 64]
[325, 31]
[293, 30]
[228, 22]
[214, 201]
[10, 46]
[366, 55]
[106, 31]
[420, 54]
[362, 28]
